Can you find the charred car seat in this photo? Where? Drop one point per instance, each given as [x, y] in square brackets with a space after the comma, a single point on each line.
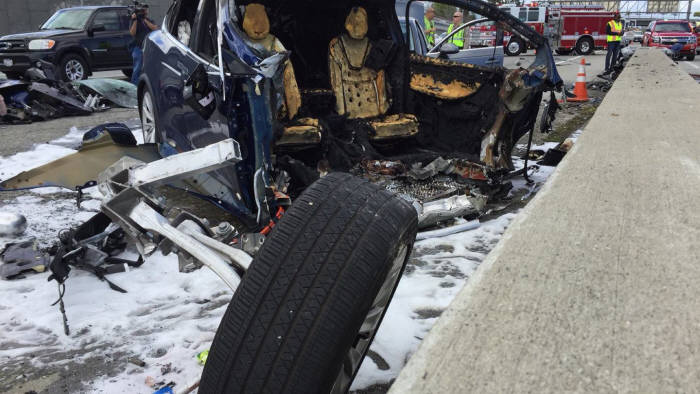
[360, 91]
[304, 131]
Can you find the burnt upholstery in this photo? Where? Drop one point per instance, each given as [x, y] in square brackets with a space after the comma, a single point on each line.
[303, 131]
[361, 92]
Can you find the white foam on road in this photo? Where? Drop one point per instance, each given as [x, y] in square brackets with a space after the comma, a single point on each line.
[167, 317]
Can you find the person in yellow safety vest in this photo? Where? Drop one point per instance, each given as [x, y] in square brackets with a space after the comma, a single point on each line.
[458, 38]
[614, 31]
[429, 26]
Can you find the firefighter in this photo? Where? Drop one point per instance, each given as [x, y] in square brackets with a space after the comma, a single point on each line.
[614, 31]
[458, 38]
[429, 26]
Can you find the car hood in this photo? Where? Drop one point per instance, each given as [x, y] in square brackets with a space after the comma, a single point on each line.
[38, 34]
[674, 34]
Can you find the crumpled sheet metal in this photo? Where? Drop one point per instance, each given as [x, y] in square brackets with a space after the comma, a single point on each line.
[434, 212]
[81, 167]
[433, 168]
[52, 96]
[22, 256]
[119, 92]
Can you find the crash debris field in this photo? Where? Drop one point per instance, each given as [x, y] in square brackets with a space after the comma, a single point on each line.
[350, 215]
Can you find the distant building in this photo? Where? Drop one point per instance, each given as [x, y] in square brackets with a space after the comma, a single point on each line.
[663, 6]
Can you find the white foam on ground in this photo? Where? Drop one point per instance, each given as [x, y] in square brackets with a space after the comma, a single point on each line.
[167, 317]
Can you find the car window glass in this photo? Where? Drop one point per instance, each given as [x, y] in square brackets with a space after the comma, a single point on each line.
[68, 19]
[670, 27]
[533, 15]
[522, 15]
[422, 41]
[124, 19]
[109, 19]
[411, 47]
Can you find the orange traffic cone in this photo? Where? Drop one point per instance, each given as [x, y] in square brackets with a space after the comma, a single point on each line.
[580, 92]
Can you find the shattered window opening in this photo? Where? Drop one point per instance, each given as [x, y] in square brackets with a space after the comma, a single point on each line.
[110, 19]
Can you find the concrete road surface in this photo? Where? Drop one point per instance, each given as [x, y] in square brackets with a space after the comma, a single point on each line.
[567, 65]
[594, 286]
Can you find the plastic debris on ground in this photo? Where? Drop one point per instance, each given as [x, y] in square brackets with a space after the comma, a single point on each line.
[40, 97]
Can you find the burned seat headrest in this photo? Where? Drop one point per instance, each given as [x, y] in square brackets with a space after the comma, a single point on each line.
[356, 23]
[256, 24]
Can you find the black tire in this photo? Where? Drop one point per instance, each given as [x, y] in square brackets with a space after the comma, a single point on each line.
[299, 310]
[128, 72]
[691, 57]
[75, 60]
[585, 46]
[514, 47]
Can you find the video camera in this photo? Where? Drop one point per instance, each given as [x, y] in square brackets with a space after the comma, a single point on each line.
[139, 9]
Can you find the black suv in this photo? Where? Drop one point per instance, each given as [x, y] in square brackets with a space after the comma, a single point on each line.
[77, 40]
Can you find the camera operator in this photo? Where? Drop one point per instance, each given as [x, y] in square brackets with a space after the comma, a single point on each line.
[141, 26]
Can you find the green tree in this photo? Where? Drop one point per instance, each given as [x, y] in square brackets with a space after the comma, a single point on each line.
[443, 11]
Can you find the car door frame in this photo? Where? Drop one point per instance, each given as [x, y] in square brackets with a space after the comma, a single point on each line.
[114, 54]
[493, 54]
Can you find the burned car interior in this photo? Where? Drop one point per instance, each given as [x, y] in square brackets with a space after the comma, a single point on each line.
[361, 95]
[389, 103]
[337, 89]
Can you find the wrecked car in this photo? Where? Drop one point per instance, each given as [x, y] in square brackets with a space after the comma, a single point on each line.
[264, 110]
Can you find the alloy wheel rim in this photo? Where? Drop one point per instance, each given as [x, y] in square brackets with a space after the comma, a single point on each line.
[585, 46]
[148, 122]
[354, 356]
[513, 47]
[74, 70]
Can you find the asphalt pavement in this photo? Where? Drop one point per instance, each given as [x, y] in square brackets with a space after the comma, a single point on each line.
[595, 64]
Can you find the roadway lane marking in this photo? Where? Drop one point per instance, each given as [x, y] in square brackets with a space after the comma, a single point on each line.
[567, 60]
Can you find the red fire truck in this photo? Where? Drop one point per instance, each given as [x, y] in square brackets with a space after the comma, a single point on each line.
[569, 27]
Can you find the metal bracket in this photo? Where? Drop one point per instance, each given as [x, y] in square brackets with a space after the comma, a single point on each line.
[140, 214]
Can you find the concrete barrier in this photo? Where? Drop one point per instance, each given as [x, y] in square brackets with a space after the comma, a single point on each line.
[595, 286]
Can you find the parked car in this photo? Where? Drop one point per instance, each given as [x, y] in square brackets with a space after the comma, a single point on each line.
[666, 33]
[638, 35]
[477, 53]
[78, 41]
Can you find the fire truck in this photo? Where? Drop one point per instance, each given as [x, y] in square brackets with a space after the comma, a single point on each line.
[569, 27]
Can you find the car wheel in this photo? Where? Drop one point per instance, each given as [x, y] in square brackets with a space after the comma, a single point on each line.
[691, 57]
[73, 68]
[128, 72]
[309, 306]
[149, 118]
[585, 46]
[514, 47]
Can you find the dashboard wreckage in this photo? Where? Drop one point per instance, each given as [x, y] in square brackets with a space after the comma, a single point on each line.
[315, 128]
